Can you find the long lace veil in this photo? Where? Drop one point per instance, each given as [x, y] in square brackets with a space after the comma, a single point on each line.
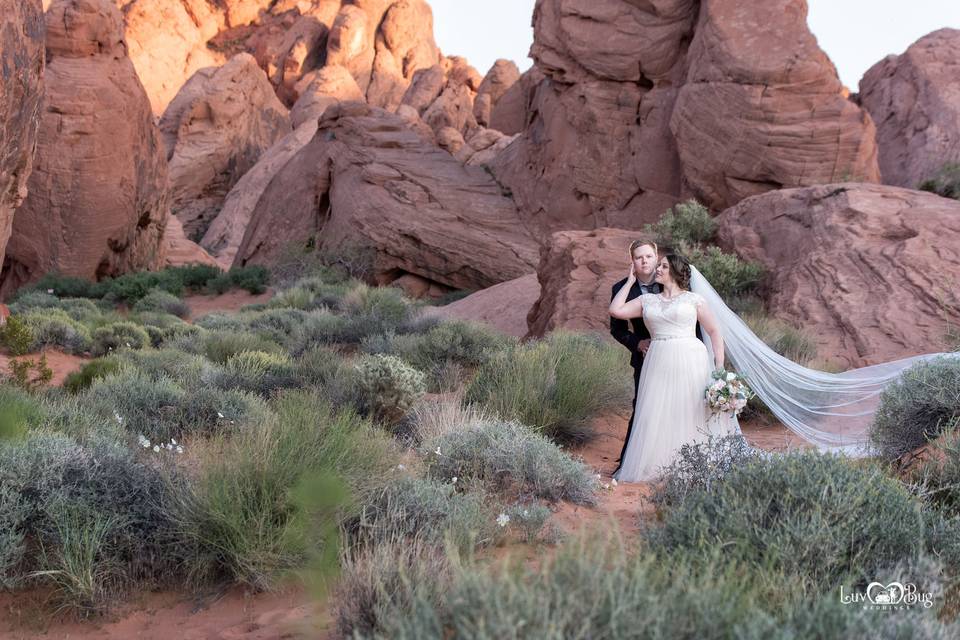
[831, 410]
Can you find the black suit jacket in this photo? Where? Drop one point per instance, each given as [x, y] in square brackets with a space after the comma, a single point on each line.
[620, 329]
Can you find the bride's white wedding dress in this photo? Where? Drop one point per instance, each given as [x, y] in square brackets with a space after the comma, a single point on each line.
[671, 406]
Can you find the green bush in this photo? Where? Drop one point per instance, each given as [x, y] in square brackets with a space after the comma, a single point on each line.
[324, 328]
[242, 519]
[119, 335]
[159, 300]
[917, 407]
[84, 514]
[945, 182]
[700, 466]
[510, 459]
[790, 342]
[373, 310]
[258, 372]
[96, 369]
[16, 337]
[277, 324]
[430, 510]
[53, 327]
[817, 518]
[556, 385]
[220, 346]
[253, 279]
[63, 287]
[936, 478]
[596, 590]
[388, 385]
[727, 273]
[188, 370]
[686, 223]
[80, 309]
[18, 409]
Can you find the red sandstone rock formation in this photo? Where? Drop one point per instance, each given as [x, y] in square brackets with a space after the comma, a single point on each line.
[576, 271]
[367, 179]
[98, 203]
[870, 270]
[915, 100]
[21, 95]
[215, 130]
[642, 105]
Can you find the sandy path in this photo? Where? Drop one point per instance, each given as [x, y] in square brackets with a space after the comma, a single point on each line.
[627, 505]
[62, 364]
[232, 300]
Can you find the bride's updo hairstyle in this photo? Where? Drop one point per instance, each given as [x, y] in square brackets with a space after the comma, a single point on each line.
[679, 269]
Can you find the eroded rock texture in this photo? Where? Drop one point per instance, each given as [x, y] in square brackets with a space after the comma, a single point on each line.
[869, 270]
[915, 100]
[21, 95]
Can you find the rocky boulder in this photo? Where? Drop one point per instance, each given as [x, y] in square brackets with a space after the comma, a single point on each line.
[215, 130]
[914, 99]
[868, 269]
[503, 306]
[97, 203]
[21, 96]
[642, 105]
[443, 95]
[501, 76]
[179, 251]
[576, 272]
[368, 180]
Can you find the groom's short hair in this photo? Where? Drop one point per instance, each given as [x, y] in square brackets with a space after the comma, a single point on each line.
[643, 242]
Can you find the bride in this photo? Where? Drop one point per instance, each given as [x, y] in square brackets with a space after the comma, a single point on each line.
[832, 411]
[671, 410]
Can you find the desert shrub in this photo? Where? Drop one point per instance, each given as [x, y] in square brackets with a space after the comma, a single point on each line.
[258, 372]
[371, 310]
[222, 321]
[319, 366]
[350, 260]
[63, 287]
[161, 301]
[119, 335]
[53, 327]
[30, 374]
[388, 385]
[242, 519]
[16, 336]
[726, 272]
[96, 369]
[69, 491]
[556, 385]
[945, 182]
[164, 328]
[220, 346]
[187, 369]
[80, 309]
[816, 518]
[435, 417]
[277, 324]
[593, 589]
[253, 279]
[685, 223]
[334, 377]
[936, 477]
[917, 407]
[160, 409]
[463, 343]
[790, 342]
[380, 582]
[296, 262]
[18, 410]
[323, 328]
[511, 459]
[431, 510]
[700, 466]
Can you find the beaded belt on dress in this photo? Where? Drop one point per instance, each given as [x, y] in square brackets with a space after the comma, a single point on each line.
[671, 337]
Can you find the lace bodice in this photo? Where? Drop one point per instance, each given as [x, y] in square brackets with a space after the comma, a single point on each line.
[676, 318]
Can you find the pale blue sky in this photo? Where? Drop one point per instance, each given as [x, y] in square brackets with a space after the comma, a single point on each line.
[854, 33]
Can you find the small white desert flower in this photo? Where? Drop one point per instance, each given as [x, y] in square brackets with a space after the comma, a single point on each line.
[117, 416]
[219, 415]
[401, 467]
[156, 448]
[438, 452]
[605, 485]
[50, 291]
[143, 442]
[453, 479]
[179, 449]
[503, 519]
[172, 441]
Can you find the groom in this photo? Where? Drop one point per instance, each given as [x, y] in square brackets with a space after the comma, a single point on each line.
[645, 258]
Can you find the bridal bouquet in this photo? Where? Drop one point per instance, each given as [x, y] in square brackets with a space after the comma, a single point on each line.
[728, 392]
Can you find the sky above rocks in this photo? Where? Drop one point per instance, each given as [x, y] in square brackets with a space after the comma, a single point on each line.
[854, 33]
